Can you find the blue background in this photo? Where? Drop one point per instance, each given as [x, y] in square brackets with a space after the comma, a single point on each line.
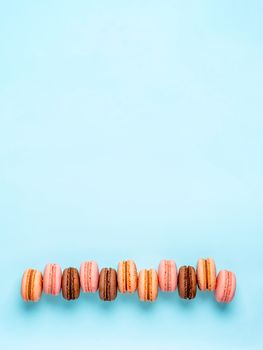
[131, 130]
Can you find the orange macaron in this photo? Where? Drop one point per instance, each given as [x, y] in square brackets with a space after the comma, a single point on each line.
[32, 285]
[148, 285]
[127, 276]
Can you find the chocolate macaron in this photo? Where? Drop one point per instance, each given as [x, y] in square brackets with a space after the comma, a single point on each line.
[108, 284]
[187, 282]
[70, 284]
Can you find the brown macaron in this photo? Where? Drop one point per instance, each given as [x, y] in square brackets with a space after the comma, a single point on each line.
[70, 284]
[108, 284]
[187, 282]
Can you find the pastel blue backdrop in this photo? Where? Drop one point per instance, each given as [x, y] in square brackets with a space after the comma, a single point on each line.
[131, 130]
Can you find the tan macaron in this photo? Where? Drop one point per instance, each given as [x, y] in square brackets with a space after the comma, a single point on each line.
[148, 285]
[127, 276]
[206, 274]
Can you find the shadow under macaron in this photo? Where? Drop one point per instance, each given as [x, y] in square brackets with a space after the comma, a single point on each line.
[92, 302]
[30, 306]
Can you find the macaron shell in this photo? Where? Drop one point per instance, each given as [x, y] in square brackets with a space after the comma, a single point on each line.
[127, 276]
[112, 284]
[153, 283]
[201, 275]
[52, 279]
[141, 284]
[192, 283]
[211, 274]
[225, 286]
[70, 284]
[89, 276]
[167, 275]
[31, 285]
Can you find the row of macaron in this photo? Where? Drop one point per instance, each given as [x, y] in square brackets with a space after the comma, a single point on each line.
[126, 280]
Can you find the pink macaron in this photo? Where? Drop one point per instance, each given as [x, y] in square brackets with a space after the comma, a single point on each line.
[89, 276]
[52, 279]
[225, 286]
[167, 275]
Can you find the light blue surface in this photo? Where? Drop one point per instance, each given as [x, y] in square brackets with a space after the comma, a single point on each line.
[131, 130]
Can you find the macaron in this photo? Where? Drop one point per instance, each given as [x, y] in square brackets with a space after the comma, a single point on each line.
[89, 276]
[206, 274]
[52, 279]
[148, 285]
[70, 283]
[167, 275]
[225, 286]
[127, 276]
[32, 285]
[187, 282]
[108, 284]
